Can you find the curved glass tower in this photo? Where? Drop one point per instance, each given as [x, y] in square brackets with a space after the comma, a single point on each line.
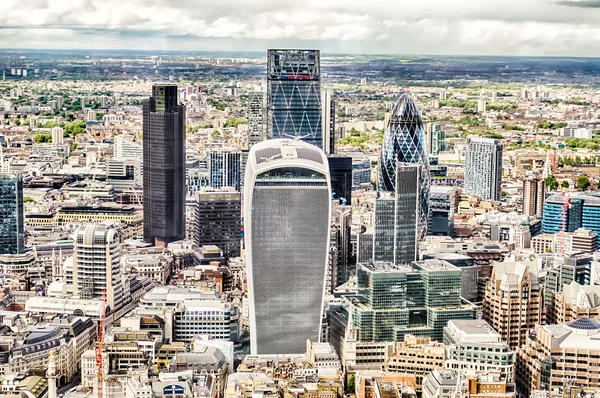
[404, 141]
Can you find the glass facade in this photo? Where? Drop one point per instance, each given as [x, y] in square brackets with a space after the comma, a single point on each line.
[581, 213]
[404, 141]
[256, 118]
[340, 170]
[294, 95]
[164, 166]
[12, 232]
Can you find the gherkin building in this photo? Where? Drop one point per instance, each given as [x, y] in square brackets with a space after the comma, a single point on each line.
[404, 141]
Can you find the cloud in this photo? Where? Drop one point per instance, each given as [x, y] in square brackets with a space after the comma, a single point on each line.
[539, 27]
[580, 3]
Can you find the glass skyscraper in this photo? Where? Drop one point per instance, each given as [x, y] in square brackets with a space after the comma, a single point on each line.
[12, 232]
[287, 218]
[294, 95]
[404, 141]
[483, 168]
[225, 169]
[164, 166]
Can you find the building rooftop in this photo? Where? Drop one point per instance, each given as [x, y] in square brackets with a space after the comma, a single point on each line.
[383, 267]
[579, 334]
[436, 265]
[473, 331]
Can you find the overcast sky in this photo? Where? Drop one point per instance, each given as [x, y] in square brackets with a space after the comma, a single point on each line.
[486, 27]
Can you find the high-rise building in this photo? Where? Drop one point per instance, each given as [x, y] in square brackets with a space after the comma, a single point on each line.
[328, 122]
[287, 219]
[57, 135]
[124, 147]
[164, 166]
[225, 169]
[342, 235]
[97, 265]
[396, 217]
[12, 231]
[483, 168]
[574, 302]
[340, 170]
[583, 212]
[442, 207]
[534, 194]
[556, 358]
[404, 141]
[294, 95]
[513, 302]
[219, 220]
[436, 138]
[257, 117]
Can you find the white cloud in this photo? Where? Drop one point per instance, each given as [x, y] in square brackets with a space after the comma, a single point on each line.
[536, 27]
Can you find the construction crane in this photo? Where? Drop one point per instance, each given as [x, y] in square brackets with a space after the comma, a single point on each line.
[566, 206]
[100, 347]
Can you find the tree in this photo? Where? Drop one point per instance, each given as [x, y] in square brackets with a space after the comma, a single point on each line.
[583, 182]
[565, 184]
[28, 199]
[551, 183]
[351, 383]
[503, 194]
[42, 138]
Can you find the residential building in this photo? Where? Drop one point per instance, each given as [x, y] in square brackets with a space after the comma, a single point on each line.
[164, 166]
[57, 135]
[404, 142]
[483, 168]
[474, 345]
[219, 220]
[534, 194]
[294, 95]
[512, 314]
[287, 219]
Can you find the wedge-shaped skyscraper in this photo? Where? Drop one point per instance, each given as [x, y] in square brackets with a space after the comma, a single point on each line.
[404, 141]
[287, 218]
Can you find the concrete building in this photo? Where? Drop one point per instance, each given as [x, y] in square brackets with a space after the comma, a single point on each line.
[474, 345]
[225, 168]
[57, 135]
[450, 383]
[483, 168]
[512, 314]
[257, 117]
[534, 195]
[125, 147]
[574, 302]
[556, 354]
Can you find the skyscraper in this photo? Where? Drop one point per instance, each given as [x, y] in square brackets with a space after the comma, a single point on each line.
[404, 141]
[225, 169]
[257, 118]
[287, 220]
[12, 231]
[483, 168]
[534, 194]
[340, 171]
[294, 95]
[436, 138]
[164, 166]
[97, 264]
[396, 218]
[328, 122]
[219, 220]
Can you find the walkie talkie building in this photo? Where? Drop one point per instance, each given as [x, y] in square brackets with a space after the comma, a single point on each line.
[294, 95]
[404, 141]
[287, 221]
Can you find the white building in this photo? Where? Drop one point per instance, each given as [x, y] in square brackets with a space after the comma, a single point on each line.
[57, 135]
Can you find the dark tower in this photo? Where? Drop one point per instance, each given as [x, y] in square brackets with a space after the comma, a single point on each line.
[164, 166]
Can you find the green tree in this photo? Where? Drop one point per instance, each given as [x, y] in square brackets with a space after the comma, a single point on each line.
[351, 383]
[583, 182]
[551, 182]
[28, 199]
[73, 146]
[42, 138]
[564, 184]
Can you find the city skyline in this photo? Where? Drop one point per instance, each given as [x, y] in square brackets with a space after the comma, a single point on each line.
[544, 27]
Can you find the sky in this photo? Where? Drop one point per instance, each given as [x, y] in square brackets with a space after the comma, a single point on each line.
[444, 27]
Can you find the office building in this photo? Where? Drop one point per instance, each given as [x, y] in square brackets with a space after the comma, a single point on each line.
[287, 216]
[396, 218]
[294, 95]
[557, 357]
[443, 203]
[561, 270]
[534, 194]
[396, 300]
[125, 147]
[574, 302]
[483, 168]
[474, 345]
[435, 138]
[97, 265]
[583, 212]
[123, 174]
[257, 117]
[12, 231]
[404, 142]
[417, 356]
[219, 220]
[57, 135]
[442, 383]
[361, 171]
[512, 314]
[164, 166]
[340, 171]
[341, 237]
[328, 122]
[225, 169]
